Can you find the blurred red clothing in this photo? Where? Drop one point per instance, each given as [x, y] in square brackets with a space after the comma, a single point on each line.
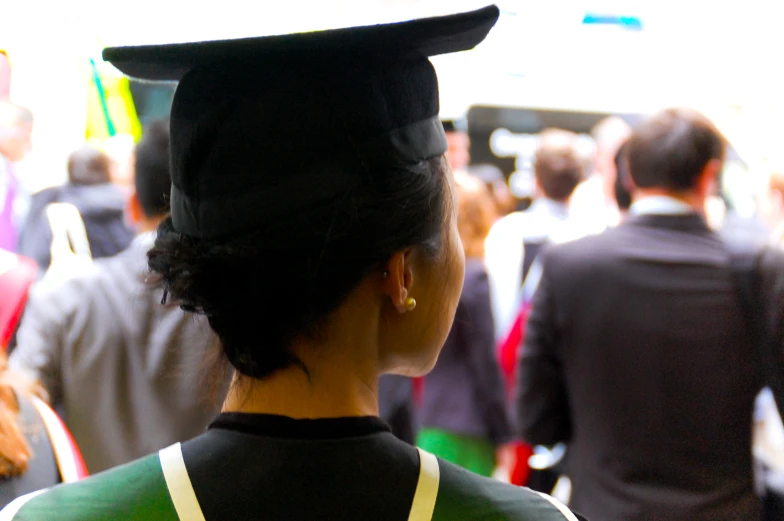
[17, 274]
[508, 354]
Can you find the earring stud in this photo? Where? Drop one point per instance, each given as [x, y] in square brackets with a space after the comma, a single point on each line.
[385, 274]
[410, 304]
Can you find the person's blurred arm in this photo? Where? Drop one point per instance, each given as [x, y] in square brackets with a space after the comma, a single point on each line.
[542, 403]
[39, 341]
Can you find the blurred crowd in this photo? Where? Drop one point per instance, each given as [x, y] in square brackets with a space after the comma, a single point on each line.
[599, 351]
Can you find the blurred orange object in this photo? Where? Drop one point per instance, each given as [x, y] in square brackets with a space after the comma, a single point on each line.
[17, 274]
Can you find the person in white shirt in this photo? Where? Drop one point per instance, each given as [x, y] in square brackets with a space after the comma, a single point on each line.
[514, 240]
[593, 203]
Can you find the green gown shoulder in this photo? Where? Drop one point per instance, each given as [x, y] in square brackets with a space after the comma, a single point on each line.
[136, 491]
[463, 495]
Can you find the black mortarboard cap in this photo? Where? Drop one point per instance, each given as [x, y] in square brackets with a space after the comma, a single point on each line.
[257, 123]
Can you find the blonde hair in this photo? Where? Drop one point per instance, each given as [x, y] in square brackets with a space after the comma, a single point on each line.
[15, 453]
[475, 213]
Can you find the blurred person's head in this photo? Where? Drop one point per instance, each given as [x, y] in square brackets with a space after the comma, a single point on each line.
[494, 179]
[475, 213]
[120, 149]
[149, 202]
[89, 166]
[608, 136]
[677, 152]
[16, 128]
[558, 168]
[458, 144]
[623, 181]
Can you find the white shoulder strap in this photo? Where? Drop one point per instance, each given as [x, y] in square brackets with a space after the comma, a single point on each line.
[531, 281]
[61, 444]
[427, 488]
[568, 515]
[12, 508]
[69, 235]
[179, 484]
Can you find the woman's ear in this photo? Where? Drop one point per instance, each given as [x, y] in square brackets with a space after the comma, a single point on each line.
[398, 279]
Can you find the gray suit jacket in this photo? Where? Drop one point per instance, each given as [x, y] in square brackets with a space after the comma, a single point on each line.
[636, 353]
[128, 374]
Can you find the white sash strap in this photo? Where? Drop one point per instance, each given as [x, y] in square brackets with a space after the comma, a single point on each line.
[8, 513]
[187, 505]
[427, 488]
[561, 507]
[61, 445]
[179, 484]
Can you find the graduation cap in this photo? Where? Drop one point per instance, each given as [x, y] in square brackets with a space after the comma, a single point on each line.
[263, 127]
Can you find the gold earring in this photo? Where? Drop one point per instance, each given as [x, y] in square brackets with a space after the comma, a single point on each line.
[385, 274]
[410, 304]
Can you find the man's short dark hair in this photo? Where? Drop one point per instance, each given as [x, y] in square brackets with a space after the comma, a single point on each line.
[153, 174]
[557, 164]
[89, 166]
[670, 150]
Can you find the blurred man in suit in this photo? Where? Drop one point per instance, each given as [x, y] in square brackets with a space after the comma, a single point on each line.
[636, 351]
[124, 370]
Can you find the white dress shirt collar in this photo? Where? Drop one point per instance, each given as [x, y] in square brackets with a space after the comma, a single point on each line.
[661, 205]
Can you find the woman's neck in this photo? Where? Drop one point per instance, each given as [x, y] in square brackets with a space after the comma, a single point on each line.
[342, 376]
[328, 392]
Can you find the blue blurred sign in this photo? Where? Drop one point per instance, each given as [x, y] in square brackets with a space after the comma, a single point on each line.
[627, 22]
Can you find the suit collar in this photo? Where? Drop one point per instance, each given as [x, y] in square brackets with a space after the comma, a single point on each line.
[683, 222]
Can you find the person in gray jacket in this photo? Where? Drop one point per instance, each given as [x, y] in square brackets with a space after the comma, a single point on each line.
[122, 369]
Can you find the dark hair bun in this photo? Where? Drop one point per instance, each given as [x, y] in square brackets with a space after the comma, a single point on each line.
[264, 290]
